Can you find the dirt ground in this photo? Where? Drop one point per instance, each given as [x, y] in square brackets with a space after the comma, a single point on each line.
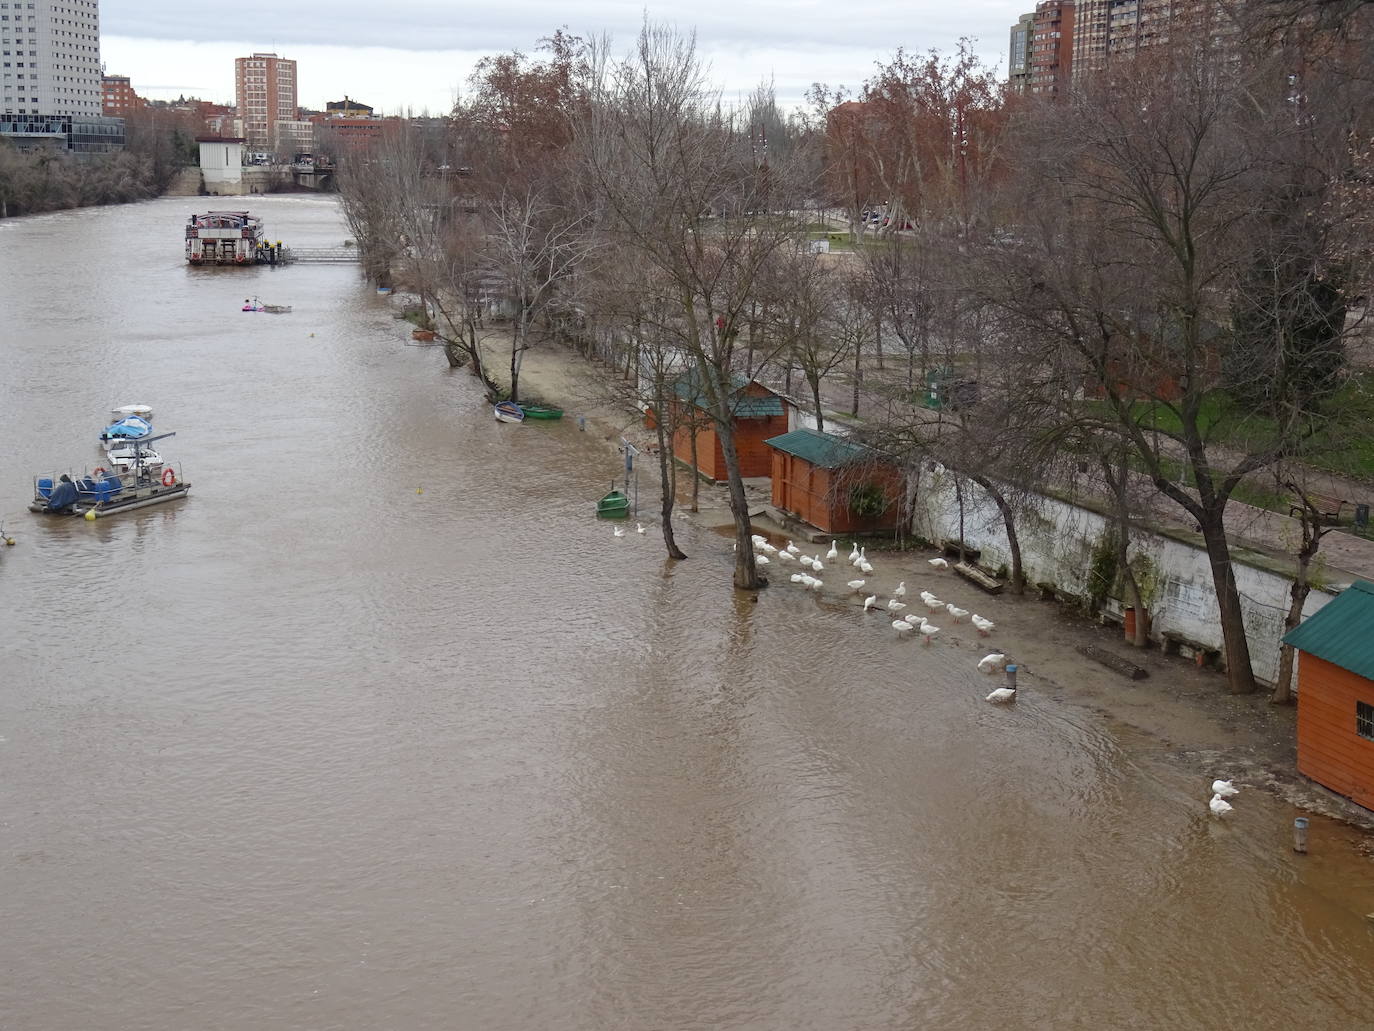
[1187, 710]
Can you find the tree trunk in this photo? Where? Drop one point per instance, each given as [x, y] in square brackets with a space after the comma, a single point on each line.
[858, 377]
[1240, 676]
[1018, 574]
[1283, 683]
[959, 496]
[669, 492]
[696, 469]
[747, 576]
[814, 380]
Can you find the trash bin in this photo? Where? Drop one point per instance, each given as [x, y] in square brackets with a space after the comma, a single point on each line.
[1361, 515]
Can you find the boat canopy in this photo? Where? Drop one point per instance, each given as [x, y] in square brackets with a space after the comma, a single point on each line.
[132, 428]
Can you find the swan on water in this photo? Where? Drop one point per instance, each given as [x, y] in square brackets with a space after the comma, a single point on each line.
[991, 663]
[939, 563]
[900, 591]
[955, 612]
[1002, 694]
[871, 602]
[1219, 805]
[856, 585]
[1224, 788]
[983, 625]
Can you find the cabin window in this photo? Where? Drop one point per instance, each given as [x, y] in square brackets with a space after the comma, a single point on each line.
[1364, 720]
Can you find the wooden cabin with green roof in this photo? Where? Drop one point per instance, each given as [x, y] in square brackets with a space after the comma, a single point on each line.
[758, 413]
[836, 485]
[1336, 694]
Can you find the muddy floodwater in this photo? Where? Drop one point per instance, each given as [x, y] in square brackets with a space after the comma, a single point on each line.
[380, 729]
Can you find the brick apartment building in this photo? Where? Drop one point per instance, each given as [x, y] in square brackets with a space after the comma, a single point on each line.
[265, 93]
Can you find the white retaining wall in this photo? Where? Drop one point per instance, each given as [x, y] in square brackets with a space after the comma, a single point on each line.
[1057, 546]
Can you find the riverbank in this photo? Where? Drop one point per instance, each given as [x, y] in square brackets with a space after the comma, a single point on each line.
[1180, 711]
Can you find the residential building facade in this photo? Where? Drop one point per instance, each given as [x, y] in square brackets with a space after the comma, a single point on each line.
[265, 89]
[118, 97]
[1051, 47]
[1018, 54]
[50, 88]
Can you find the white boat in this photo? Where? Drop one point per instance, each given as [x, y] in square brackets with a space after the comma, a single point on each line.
[127, 457]
[128, 422]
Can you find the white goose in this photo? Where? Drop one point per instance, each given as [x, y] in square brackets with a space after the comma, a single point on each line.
[816, 563]
[900, 592]
[792, 549]
[856, 585]
[933, 603]
[833, 553]
[991, 663]
[984, 625]
[939, 563]
[1002, 694]
[928, 631]
[796, 578]
[955, 612]
[927, 597]
[620, 531]
[902, 626]
[871, 602]
[786, 556]
[1219, 805]
[865, 567]
[761, 560]
[1224, 788]
[816, 584]
[853, 552]
[895, 606]
[764, 547]
[639, 528]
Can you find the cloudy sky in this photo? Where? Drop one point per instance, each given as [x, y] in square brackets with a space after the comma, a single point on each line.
[418, 53]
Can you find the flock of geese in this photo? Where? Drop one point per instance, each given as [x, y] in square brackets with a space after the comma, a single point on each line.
[904, 622]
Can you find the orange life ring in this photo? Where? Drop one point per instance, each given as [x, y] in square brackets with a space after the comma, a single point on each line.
[169, 478]
[99, 471]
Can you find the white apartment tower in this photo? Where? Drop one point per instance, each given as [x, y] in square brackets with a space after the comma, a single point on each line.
[50, 58]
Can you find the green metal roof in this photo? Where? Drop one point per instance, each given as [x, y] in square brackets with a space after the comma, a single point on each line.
[1342, 632]
[689, 388]
[822, 449]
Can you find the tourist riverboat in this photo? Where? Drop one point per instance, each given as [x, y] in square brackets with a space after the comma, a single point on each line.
[140, 481]
[227, 238]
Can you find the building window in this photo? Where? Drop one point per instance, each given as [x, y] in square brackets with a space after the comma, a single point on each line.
[1364, 720]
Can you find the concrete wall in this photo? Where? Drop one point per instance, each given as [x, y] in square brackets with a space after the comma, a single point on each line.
[1058, 542]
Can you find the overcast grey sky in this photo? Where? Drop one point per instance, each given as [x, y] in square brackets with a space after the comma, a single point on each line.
[418, 53]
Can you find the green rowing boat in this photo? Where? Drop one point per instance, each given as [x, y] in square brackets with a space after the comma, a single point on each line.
[614, 505]
[541, 412]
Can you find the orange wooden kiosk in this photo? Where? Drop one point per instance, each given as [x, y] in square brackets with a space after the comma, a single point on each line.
[1336, 694]
[834, 484]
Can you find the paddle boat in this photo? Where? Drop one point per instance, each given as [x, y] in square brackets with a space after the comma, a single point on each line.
[509, 411]
[144, 481]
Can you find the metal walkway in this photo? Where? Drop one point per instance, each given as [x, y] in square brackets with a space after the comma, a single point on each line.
[335, 255]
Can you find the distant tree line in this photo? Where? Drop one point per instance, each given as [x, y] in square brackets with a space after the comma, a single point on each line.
[158, 145]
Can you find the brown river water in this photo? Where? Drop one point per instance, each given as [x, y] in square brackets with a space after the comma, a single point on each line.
[380, 729]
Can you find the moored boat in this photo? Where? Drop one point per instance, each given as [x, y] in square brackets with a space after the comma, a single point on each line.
[227, 238]
[107, 491]
[614, 505]
[509, 411]
[127, 423]
[541, 411]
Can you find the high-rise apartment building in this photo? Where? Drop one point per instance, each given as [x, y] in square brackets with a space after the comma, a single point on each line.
[1107, 30]
[1018, 54]
[1051, 49]
[49, 58]
[265, 90]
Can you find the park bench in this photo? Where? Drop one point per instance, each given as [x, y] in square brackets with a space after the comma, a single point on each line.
[1328, 507]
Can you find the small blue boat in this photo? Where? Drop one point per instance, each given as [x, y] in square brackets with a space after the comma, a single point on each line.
[125, 431]
[509, 411]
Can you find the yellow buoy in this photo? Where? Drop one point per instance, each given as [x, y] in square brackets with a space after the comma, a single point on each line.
[419, 490]
[90, 515]
[9, 541]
